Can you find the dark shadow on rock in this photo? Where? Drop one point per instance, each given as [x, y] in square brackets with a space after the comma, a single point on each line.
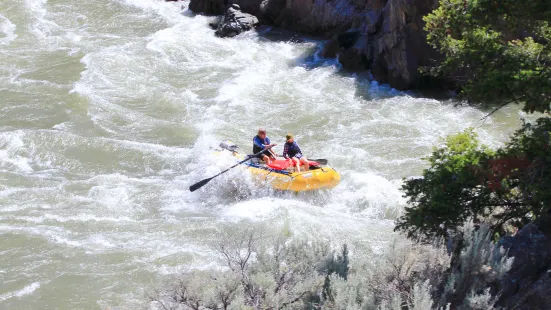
[273, 34]
[528, 284]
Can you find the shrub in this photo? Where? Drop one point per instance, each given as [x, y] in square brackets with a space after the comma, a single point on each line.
[468, 182]
[481, 265]
[295, 274]
[497, 51]
[286, 275]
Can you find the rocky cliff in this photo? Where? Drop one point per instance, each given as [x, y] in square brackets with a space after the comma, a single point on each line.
[384, 36]
[528, 284]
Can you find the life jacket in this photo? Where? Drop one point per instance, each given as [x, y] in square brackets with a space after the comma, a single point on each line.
[257, 148]
[292, 149]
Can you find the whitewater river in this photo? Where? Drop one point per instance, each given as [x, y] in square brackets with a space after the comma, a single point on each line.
[108, 111]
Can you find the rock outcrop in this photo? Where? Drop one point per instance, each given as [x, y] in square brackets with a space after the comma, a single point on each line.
[235, 22]
[528, 283]
[384, 36]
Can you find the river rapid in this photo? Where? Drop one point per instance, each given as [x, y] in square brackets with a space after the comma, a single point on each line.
[109, 110]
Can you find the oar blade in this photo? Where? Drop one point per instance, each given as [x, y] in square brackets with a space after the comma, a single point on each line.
[199, 184]
[320, 161]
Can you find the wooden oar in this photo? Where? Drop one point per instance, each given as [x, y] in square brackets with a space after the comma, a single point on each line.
[202, 183]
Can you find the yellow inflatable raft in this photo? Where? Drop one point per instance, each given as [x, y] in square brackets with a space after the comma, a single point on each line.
[282, 176]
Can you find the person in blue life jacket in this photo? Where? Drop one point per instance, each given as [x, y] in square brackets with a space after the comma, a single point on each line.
[292, 150]
[262, 142]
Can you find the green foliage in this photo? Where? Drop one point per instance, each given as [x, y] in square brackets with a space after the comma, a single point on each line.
[467, 181]
[498, 51]
[448, 193]
[530, 179]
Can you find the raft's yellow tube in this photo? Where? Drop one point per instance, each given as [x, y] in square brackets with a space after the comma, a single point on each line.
[322, 178]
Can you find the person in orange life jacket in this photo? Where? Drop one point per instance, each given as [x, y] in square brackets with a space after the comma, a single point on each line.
[262, 142]
[292, 150]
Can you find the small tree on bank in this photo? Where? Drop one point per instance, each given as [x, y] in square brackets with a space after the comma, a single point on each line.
[467, 181]
[498, 52]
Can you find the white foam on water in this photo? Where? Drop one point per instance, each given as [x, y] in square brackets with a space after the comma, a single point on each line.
[368, 194]
[41, 27]
[27, 290]
[85, 218]
[8, 29]
[261, 209]
[51, 233]
[112, 179]
[169, 11]
[13, 154]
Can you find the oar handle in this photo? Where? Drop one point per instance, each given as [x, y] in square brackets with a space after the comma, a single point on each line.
[249, 157]
[201, 183]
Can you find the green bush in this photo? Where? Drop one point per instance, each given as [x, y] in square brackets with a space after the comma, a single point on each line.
[468, 182]
[497, 51]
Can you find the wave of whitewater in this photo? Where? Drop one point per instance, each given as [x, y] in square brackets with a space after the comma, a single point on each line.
[8, 31]
[109, 111]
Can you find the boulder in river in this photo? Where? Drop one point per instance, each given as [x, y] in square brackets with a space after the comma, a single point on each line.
[235, 22]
